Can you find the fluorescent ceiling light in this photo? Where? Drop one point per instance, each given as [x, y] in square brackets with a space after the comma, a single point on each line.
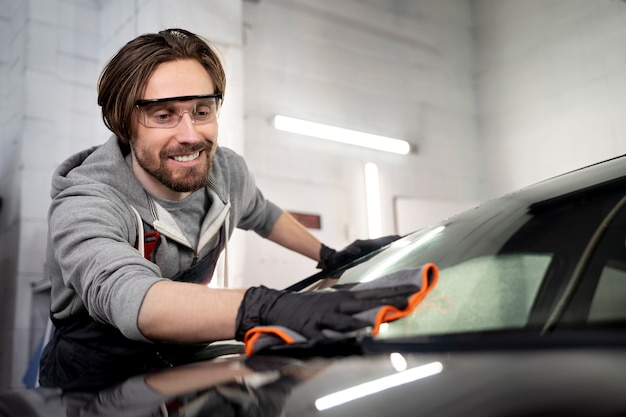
[378, 385]
[339, 134]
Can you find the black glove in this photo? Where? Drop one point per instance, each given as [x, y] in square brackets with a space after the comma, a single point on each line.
[330, 258]
[310, 313]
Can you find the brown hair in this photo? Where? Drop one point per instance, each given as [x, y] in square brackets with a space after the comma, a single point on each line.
[124, 78]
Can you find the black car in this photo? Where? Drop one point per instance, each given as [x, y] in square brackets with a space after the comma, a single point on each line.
[528, 318]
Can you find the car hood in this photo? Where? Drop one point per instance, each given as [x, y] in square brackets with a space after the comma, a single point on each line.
[509, 382]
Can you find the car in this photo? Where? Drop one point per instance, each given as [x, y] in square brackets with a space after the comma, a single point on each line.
[527, 318]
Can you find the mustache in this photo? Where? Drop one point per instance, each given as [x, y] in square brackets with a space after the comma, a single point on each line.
[186, 149]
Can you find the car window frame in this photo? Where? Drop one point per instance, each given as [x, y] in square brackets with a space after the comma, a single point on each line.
[575, 305]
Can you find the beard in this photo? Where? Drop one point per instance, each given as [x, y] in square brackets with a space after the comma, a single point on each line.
[180, 180]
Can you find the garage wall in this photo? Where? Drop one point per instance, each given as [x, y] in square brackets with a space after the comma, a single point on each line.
[552, 87]
[12, 102]
[49, 61]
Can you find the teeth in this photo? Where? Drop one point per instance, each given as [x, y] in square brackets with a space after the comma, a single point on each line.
[186, 158]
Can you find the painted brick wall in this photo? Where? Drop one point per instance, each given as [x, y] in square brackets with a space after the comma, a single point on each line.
[552, 87]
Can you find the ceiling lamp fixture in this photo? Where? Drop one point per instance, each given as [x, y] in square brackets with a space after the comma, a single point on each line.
[342, 135]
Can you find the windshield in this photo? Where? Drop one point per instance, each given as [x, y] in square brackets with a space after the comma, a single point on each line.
[488, 291]
[506, 264]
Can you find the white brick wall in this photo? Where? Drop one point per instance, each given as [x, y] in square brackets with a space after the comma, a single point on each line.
[552, 87]
[12, 57]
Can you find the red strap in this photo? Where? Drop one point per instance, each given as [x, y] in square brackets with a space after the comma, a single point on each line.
[150, 240]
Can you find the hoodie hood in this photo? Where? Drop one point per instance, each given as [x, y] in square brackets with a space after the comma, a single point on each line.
[101, 167]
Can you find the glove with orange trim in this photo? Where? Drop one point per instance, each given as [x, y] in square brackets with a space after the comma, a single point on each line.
[330, 258]
[309, 314]
[269, 317]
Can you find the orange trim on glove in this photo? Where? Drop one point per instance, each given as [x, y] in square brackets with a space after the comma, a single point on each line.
[255, 333]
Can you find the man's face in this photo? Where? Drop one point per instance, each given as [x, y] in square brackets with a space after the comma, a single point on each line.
[173, 162]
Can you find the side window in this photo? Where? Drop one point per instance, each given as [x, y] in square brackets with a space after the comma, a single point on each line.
[601, 293]
[609, 300]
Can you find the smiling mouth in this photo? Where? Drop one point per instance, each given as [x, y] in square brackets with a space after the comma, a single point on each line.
[186, 158]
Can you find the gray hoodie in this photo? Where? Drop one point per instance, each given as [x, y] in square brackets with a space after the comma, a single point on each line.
[93, 228]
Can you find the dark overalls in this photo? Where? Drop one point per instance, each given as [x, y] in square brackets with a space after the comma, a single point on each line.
[85, 354]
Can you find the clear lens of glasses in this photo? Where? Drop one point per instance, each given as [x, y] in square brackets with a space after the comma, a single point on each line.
[168, 113]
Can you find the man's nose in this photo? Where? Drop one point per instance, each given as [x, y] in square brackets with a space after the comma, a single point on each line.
[187, 127]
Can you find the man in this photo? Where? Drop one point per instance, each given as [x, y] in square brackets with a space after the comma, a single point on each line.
[137, 223]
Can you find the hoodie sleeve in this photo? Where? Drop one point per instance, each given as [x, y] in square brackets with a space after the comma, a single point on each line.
[92, 232]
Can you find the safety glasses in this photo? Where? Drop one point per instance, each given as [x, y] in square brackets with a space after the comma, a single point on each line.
[167, 112]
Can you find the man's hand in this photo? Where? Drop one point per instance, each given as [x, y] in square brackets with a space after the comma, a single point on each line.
[330, 258]
[311, 313]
